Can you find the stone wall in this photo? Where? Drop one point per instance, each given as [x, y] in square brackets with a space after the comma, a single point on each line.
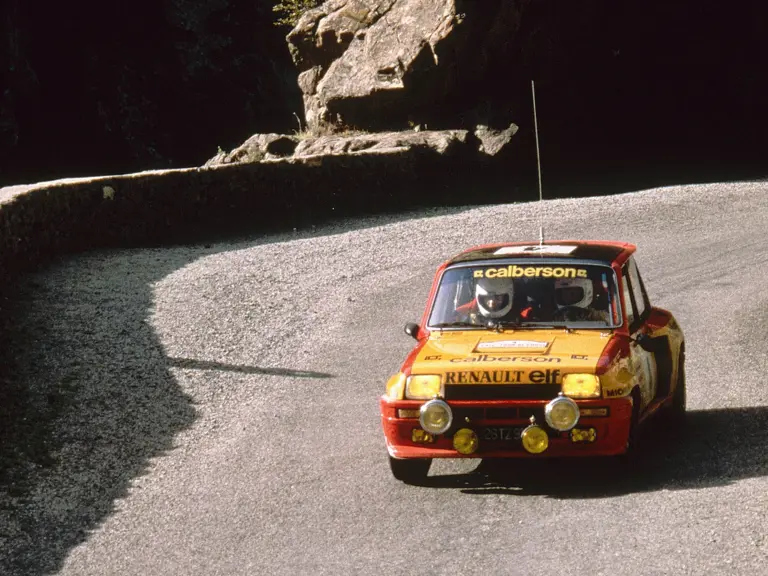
[40, 221]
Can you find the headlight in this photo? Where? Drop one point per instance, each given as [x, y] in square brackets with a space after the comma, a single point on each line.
[581, 386]
[562, 413]
[436, 417]
[423, 387]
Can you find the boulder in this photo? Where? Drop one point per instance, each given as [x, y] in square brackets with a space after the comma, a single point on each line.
[376, 64]
[257, 148]
[493, 141]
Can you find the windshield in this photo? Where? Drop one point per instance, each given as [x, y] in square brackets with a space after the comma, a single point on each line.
[527, 294]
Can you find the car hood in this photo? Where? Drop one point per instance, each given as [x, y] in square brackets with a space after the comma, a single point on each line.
[524, 357]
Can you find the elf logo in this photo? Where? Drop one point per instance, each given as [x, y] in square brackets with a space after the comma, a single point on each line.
[503, 377]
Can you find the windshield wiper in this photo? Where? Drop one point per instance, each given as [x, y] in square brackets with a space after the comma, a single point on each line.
[455, 325]
[519, 324]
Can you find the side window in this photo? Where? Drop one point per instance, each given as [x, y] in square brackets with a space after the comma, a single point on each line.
[629, 307]
[464, 292]
[455, 290]
[638, 290]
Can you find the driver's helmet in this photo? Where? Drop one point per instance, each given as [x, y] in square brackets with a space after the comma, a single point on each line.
[573, 292]
[494, 296]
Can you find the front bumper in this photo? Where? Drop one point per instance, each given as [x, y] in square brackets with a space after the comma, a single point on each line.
[611, 432]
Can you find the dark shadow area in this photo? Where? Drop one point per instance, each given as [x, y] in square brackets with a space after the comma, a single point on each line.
[717, 448]
[85, 94]
[86, 401]
[634, 94]
[87, 397]
[189, 363]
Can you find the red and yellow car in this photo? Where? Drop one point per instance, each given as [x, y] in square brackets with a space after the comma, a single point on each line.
[533, 351]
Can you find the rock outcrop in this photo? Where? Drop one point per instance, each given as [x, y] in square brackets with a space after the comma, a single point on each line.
[479, 145]
[257, 148]
[382, 64]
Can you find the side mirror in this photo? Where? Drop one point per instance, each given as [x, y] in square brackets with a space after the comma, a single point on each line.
[645, 342]
[412, 329]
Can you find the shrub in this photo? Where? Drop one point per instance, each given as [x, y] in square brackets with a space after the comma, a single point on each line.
[291, 10]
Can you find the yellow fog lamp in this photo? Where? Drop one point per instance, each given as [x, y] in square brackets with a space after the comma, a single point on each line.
[535, 439]
[562, 413]
[436, 416]
[581, 385]
[465, 441]
[423, 386]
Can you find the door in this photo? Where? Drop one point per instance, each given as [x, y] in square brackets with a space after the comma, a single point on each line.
[644, 363]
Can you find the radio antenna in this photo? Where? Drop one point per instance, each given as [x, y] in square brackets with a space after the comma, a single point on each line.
[538, 164]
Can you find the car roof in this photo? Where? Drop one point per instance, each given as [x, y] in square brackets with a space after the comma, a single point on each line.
[600, 250]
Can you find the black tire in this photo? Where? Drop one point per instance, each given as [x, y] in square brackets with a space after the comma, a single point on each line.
[625, 462]
[679, 397]
[673, 416]
[411, 470]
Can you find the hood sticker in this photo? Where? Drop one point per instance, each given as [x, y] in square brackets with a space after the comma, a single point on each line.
[515, 271]
[521, 359]
[513, 344]
[535, 249]
[503, 377]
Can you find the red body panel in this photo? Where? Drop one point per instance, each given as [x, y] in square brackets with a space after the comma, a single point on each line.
[612, 431]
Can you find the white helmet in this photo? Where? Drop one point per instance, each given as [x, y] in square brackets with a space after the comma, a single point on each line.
[573, 292]
[494, 296]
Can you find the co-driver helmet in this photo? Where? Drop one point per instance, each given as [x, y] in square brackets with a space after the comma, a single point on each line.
[573, 292]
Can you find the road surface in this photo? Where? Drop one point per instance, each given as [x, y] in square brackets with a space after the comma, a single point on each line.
[212, 409]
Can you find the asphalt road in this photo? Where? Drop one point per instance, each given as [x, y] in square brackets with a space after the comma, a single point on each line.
[213, 409]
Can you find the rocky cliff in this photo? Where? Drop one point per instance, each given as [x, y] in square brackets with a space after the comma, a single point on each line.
[380, 64]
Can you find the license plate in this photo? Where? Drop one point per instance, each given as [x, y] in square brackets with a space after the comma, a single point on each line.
[501, 433]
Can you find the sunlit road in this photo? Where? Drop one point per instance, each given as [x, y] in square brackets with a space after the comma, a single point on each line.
[216, 407]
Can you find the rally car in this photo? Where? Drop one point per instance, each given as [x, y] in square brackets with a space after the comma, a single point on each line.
[537, 350]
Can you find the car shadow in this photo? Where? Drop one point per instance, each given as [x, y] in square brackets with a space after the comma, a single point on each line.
[717, 448]
[190, 363]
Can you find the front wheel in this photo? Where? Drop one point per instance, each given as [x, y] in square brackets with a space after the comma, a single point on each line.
[676, 411]
[410, 471]
[625, 463]
[679, 398]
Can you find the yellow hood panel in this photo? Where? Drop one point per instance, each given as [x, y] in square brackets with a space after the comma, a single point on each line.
[540, 356]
